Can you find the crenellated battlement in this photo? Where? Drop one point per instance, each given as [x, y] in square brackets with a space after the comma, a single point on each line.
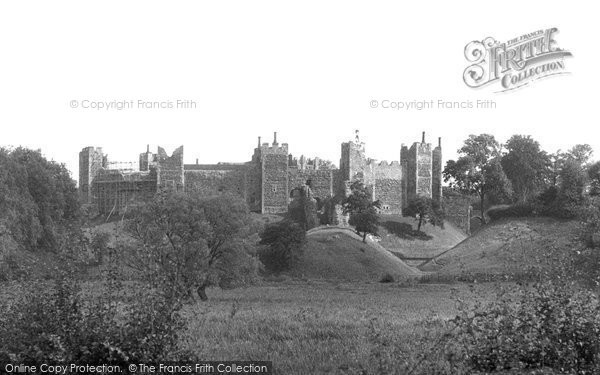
[265, 181]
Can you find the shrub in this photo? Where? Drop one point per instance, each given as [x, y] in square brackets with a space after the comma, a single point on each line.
[58, 322]
[550, 326]
[387, 278]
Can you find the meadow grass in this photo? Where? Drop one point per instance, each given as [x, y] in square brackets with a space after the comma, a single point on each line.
[315, 328]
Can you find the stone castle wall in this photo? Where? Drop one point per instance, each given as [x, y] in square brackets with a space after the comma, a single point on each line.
[275, 187]
[386, 180]
[267, 180]
[321, 181]
[215, 179]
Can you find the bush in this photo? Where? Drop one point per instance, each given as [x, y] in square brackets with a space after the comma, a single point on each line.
[387, 278]
[58, 322]
[551, 326]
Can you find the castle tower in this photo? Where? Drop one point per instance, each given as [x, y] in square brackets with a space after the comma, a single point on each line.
[146, 160]
[170, 170]
[419, 169]
[274, 182]
[353, 162]
[91, 160]
[436, 167]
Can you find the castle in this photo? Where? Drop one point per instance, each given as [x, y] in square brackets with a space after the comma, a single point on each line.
[266, 181]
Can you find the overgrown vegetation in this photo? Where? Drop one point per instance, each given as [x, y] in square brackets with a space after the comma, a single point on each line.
[63, 321]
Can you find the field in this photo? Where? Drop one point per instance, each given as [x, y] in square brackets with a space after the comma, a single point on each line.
[331, 314]
[309, 327]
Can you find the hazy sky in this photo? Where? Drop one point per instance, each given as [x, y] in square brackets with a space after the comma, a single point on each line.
[307, 70]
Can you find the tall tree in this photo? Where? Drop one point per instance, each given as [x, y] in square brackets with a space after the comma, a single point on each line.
[478, 170]
[38, 199]
[362, 209]
[184, 242]
[284, 242]
[526, 166]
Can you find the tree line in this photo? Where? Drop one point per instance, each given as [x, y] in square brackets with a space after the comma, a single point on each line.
[519, 172]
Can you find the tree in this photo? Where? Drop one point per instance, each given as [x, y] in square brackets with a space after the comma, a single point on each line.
[581, 153]
[303, 208]
[38, 199]
[362, 209]
[184, 242]
[594, 176]
[526, 166]
[365, 221]
[478, 170]
[566, 194]
[425, 210]
[284, 242]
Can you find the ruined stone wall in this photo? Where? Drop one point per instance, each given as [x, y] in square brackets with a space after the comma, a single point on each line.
[216, 180]
[322, 181]
[170, 170]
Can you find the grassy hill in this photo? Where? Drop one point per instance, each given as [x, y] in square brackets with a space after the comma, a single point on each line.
[339, 254]
[509, 246]
[399, 235]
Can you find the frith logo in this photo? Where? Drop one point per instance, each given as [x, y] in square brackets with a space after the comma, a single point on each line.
[515, 63]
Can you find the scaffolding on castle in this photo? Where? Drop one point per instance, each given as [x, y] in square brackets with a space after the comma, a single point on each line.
[117, 190]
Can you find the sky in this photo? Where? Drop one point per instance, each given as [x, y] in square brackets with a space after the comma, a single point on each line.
[309, 70]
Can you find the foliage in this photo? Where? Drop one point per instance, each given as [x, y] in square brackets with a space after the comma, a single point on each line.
[526, 166]
[594, 176]
[99, 246]
[365, 221]
[60, 322]
[184, 242]
[425, 210]
[283, 244]
[362, 209]
[581, 154]
[565, 200]
[478, 170]
[303, 208]
[37, 199]
[549, 327]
